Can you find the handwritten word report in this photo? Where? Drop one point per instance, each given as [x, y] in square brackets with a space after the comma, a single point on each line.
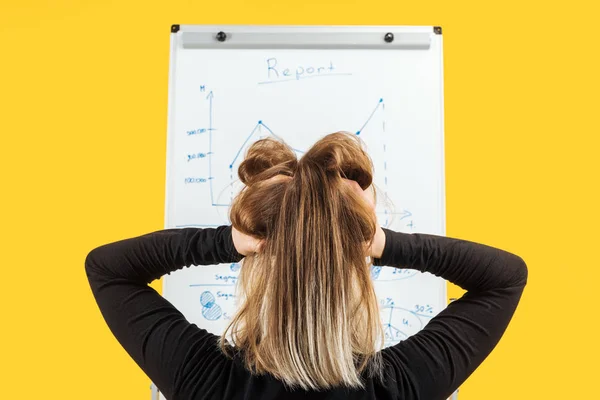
[281, 73]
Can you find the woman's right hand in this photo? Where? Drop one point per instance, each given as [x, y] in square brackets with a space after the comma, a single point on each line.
[376, 249]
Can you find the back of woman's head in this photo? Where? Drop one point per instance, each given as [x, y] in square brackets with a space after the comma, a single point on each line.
[308, 313]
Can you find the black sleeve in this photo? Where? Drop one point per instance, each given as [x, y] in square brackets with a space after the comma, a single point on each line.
[152, 331]
[440, 357]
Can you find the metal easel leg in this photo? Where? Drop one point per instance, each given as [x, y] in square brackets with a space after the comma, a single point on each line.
[154, 392]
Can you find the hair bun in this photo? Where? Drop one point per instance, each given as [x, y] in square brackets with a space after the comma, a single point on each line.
[266, 158]
[342, 153]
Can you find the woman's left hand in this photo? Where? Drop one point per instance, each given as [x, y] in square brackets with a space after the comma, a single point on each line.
[245, 244]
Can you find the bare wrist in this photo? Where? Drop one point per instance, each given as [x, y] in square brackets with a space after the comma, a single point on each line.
[378, 243]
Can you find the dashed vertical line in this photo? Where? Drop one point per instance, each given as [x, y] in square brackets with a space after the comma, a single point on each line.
[385, 178]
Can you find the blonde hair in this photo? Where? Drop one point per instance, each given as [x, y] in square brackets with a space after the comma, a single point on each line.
[308, 314]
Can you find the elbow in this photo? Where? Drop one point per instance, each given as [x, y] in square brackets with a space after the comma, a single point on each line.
[95, 269]
[91, 263]
[521, 271]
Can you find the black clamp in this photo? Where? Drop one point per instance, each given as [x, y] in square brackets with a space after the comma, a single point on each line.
[221, 36]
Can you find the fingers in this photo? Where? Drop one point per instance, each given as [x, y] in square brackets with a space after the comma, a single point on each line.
[353, 184]
[246, 244]
[370, 195]
[259, 246]
[367, 194]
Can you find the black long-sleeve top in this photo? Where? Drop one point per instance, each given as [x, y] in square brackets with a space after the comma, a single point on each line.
[184, 361]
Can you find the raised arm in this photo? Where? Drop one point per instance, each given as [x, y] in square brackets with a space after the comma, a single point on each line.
[434, 362]
[154, 333]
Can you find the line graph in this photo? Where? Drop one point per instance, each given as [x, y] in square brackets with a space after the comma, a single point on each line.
[258, 130]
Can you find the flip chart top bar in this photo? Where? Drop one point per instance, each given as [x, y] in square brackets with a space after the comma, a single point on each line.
[304, 37]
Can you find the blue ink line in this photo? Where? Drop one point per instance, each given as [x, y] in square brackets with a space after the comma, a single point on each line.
[243, 144]
[269, 129]
[409, 311]
[370, 116]
[305, 77]
[212, 284]
[271, 132]
[405, 212]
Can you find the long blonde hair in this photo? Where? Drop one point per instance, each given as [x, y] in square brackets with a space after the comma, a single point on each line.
[308, 313]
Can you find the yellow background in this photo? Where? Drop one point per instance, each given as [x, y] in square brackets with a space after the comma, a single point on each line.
[83, 108]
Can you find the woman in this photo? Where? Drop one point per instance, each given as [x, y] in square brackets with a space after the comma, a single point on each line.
[308, 326]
